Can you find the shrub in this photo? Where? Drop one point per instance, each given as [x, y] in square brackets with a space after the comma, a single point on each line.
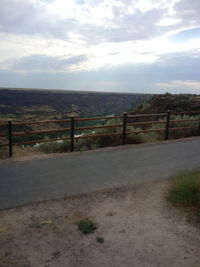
[112, 140]
[86, 226]
[138, 138]
[85, 144]
[187, 132]
[133, 138]
[55, 147]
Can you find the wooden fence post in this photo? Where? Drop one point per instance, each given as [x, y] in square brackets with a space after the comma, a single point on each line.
[124, 129]
[72, 134]
[10, 138]
[199, 125]
[167, 125]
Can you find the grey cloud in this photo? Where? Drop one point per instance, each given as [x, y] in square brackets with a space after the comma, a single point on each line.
[188, 12]
[29, 19]
[143, 25]
[188, 9]
[42, 63]
[140, 25]
[129, 78]
[16, 16]
[24, 18]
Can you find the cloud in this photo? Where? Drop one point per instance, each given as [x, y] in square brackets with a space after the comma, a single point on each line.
[188, 11]
[131, 45]
[178, 73]
[97, 20]
[168, 22]
[31, 19]
[38, 63]
[180, 86]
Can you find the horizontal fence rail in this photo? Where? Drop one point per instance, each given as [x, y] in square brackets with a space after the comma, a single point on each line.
[41, 132]
[122, 122]
[40, 122]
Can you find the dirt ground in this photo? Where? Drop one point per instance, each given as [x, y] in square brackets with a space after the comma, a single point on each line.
[138, 226]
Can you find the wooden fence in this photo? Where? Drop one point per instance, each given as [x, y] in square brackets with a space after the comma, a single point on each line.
[125, 122]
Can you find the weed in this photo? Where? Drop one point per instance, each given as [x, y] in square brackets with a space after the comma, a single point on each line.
[86, 226]
[100, 239]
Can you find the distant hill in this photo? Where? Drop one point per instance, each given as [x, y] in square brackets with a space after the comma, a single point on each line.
[173, 102]
[34, 103]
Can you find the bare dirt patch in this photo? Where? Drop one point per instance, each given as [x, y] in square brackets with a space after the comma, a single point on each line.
[138, 226]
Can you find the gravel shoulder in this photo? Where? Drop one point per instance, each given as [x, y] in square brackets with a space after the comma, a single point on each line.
[138, 226]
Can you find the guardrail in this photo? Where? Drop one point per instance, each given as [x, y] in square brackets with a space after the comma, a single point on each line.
[125, 122]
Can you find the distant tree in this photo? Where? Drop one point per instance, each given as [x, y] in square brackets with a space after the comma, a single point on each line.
[167, 101]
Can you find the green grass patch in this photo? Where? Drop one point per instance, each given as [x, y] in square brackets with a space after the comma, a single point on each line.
[86, 226]
[185, 190]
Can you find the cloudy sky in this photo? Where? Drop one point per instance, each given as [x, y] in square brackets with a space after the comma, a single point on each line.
[103, 45]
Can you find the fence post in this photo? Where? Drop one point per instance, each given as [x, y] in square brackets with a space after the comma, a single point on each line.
[72, 134]
[10, 138]
[199, 125]
[167, 125]
[124, 129]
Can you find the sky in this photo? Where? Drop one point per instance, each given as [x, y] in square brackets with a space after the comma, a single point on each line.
[138, 46]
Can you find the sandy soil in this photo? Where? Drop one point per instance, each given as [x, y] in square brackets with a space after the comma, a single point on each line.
[138, 226]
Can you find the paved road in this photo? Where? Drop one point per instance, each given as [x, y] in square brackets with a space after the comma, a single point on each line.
[23, 182]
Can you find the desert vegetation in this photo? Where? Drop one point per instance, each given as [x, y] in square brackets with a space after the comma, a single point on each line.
[84, 144]
[156, 104]
[185, 191]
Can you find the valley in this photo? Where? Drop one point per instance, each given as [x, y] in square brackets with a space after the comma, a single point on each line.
[35, 104]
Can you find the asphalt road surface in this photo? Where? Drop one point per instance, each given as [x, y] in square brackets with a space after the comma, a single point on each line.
[30, 181]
